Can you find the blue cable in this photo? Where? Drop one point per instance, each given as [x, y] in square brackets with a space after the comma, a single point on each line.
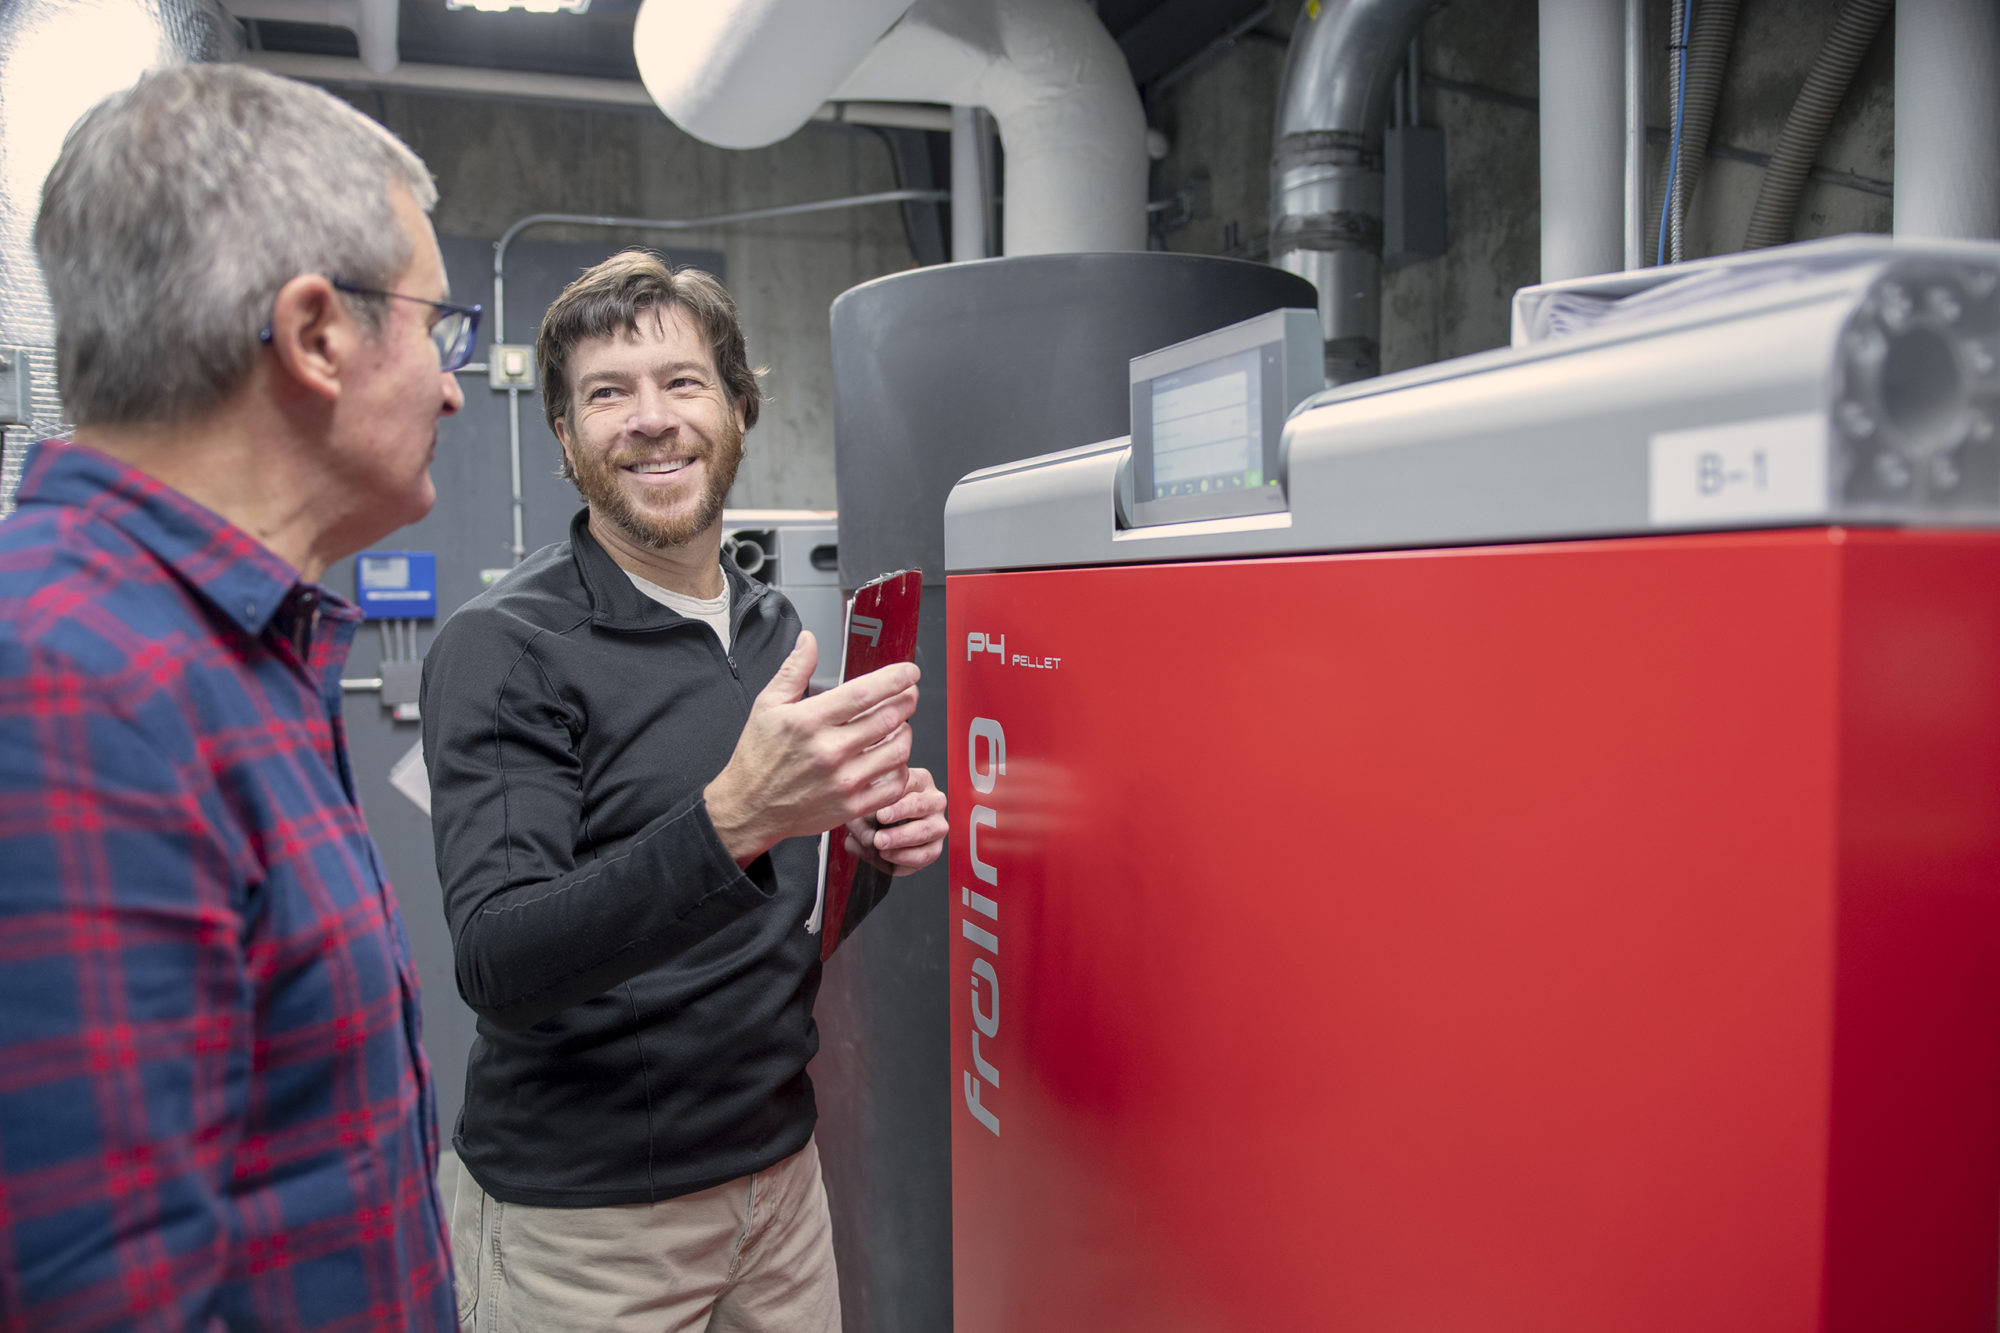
[1674, 156]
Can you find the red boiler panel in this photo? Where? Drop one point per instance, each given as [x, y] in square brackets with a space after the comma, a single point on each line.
[1596, 935]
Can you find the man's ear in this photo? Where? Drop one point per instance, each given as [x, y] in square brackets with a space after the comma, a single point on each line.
[562, 438]
[313, 335]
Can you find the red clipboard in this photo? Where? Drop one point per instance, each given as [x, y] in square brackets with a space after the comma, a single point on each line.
[881, 629]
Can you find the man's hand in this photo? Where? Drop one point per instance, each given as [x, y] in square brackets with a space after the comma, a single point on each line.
[906, 835]
[803, 766]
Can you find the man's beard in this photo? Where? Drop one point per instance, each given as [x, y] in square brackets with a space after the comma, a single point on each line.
[597, 479]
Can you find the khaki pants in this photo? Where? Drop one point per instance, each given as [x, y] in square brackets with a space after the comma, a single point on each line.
[752, 1256]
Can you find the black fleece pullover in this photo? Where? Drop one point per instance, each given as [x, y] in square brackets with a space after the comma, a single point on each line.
[644, 1006]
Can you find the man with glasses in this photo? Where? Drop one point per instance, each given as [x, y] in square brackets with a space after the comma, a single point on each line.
[214, 1106]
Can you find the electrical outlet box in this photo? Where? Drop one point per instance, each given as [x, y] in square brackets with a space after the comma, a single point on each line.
[401, 682]
[16, 387]
[1413, 206]
[510, 366]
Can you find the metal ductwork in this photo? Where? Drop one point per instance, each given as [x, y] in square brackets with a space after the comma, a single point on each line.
[1326, 167]
[59, 58]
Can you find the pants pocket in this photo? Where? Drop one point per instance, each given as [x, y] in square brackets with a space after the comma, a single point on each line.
[468, 1247]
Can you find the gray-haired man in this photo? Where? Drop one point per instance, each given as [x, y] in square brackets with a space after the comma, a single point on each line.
[214, 1107]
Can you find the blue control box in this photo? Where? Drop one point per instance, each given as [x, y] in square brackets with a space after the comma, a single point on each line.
[396, 585]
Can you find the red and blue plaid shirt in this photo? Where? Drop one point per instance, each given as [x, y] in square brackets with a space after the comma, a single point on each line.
[214, 1106]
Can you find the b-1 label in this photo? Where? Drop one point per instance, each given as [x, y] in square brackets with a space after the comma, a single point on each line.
[1770, 468]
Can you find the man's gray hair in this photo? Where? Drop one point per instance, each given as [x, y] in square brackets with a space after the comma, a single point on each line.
[177, 210]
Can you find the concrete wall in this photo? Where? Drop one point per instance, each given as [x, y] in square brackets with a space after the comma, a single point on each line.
[498, 161]
[1481, 86]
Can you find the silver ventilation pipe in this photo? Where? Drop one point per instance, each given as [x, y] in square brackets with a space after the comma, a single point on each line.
[1326, 166]
[59, 58]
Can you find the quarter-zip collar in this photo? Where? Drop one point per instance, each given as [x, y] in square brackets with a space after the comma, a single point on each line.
[615, 604]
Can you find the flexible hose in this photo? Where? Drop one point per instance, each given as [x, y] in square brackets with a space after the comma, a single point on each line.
[1854, 31]
[1707, 56]
[1677, 20]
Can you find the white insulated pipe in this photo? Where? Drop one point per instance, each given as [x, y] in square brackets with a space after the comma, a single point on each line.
[1061, 95]
[745, 73]
[1948, 118]
[373, 23]
[1583, 137]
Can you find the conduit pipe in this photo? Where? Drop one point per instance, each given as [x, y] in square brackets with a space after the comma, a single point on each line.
[1583, 138]
[1326, 166]
[479, 81]
[1948, 118]
[1635, 134]
[507, 237]
[1709, 39]
[373, 22]
[1854, 31]
[525, 85]
[1059, 89]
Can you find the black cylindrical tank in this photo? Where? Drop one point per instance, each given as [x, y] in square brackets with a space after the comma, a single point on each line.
[938, 372]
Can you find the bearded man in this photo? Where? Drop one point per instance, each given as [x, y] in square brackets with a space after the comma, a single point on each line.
[627, 787]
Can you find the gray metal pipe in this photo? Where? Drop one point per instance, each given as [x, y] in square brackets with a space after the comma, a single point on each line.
[971, 184]
[678, 224]
[1583, 137]
[1948, 118]
[1326, 166]
[1635, 134]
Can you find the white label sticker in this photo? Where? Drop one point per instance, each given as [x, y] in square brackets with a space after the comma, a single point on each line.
[1773, 467]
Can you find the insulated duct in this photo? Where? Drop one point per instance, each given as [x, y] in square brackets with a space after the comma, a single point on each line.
[1326, 167]
[1948, 118]
[59, 58]
[1583, 148]
[744, 74]
[1061, 95]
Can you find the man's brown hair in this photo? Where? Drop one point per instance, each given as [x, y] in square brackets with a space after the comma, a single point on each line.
[610, 298]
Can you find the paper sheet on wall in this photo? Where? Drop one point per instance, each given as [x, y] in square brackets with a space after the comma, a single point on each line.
[408, 776]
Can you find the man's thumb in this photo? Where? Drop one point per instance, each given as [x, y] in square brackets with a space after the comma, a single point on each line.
[788, 683]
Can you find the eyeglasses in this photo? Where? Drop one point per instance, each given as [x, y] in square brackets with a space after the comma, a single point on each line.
[454, 329]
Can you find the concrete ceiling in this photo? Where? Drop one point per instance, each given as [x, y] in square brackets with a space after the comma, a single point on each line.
[1157, 36]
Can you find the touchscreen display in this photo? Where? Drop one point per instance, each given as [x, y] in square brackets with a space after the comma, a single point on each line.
[1208, 427]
